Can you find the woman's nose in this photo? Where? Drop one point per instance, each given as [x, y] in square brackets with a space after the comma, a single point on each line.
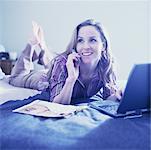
[86, 45]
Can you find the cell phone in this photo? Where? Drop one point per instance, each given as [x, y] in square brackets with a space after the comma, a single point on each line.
[73, 50]
[76, 62]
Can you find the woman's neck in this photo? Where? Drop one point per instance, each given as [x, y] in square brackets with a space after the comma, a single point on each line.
[87, 69]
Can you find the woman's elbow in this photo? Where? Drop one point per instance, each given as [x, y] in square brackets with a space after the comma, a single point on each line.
[59, 100]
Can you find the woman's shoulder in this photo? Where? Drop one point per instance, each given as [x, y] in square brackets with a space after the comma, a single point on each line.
[61, 59]
[59, 63]
[58, 67]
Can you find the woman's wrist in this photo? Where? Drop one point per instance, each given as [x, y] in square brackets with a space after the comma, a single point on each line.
[71, 80]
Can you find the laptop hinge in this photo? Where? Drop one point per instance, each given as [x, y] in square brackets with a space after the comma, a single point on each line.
[133, 114]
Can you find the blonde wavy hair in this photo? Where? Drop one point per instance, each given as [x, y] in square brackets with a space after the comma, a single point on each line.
[106, 60]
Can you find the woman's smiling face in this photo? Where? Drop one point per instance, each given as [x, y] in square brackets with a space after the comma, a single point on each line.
[89, 44]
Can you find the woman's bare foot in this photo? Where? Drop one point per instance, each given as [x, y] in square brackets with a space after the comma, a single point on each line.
[44, 54]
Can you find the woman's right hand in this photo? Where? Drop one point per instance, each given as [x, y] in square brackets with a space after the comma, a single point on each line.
[73, 66]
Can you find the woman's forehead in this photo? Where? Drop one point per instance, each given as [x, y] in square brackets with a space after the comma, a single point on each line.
[88, 31]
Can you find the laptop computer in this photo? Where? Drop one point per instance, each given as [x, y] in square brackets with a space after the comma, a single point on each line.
[136, 97]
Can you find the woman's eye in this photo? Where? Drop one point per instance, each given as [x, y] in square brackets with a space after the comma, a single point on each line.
[93, 40]
[80, 40]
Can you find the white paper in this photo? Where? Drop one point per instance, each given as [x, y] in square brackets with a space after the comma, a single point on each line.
[48, 109]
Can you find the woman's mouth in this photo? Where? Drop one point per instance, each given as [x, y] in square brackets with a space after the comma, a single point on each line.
[87, 53]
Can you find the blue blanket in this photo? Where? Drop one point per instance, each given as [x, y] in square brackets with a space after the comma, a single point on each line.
[86, 130]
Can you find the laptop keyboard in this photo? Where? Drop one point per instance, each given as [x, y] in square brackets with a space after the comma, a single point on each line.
[109, 108]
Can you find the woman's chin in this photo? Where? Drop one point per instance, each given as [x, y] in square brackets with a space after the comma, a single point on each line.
[86, 61]
[89, 61]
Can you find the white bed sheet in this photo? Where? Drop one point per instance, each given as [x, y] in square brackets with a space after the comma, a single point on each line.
[9, 92]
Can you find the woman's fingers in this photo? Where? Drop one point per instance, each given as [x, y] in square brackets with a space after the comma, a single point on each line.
[118, 95]
[74, 56]
[73, 65]
[72, 68]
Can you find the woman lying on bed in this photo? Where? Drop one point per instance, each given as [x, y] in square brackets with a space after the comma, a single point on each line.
[83, 70]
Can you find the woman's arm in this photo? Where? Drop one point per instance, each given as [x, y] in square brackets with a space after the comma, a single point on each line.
[62, 90]
[66, 93]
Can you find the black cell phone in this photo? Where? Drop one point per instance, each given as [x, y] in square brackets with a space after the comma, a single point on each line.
[73, 50]
[76, 63]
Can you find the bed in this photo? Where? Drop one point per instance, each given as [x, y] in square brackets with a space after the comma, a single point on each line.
[9, 92]
[89, 129]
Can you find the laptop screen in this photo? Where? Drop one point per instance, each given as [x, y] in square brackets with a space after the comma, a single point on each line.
[137, 92]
